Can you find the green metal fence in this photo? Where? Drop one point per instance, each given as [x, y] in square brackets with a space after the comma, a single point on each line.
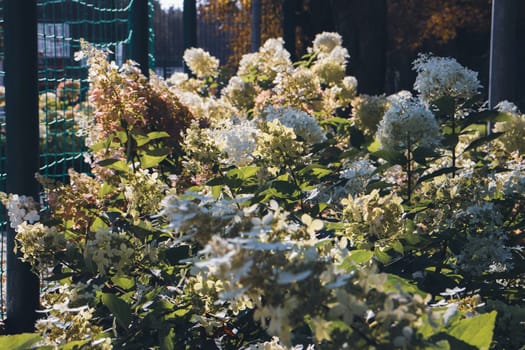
[62, 81]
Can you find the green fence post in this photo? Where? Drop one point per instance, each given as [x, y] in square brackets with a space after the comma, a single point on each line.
[21, 83]
[140, 34]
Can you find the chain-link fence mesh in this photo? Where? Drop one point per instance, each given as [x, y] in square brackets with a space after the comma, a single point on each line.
[63, 85]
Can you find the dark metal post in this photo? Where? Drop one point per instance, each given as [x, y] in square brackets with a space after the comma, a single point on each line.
[289, 26]
[503, 51]
[21, 84]
[256, 25]
[140, 34]
[189, 25]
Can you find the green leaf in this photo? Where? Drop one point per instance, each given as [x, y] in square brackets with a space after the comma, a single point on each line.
[166, 340]
[152, 157]
[242, 173]
[398, 247]
[484, 117]
[181, 312]
[421, 154]
[382, 256]
[394, 283]
[157, 135]
[317, 170]
[356, 257]
[445, 106]
[482, 140]
[115, 164]
[140, 138]
[476, 331]
[119, 308]
[374, 146]
[391, 156]
[436, 173]
[22, 341]
[74, 345]
[123, 282]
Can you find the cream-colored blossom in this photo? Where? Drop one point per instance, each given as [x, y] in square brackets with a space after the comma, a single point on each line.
[442, 76]
[325, 42]
[237, 141]
[408, 124]
[201, 63]
[303, 125]
[239, 93]
[368, 110]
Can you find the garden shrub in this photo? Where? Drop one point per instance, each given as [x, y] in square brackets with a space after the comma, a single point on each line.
[282, 210]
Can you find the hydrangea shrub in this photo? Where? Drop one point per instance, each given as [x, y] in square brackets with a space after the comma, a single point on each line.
[282, 210]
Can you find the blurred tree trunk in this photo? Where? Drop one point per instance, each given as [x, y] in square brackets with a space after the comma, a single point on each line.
[362, 25]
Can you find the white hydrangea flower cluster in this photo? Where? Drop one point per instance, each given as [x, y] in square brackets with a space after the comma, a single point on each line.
[324, 43]
[442, 76]
[483, 253]
[331, 60]
[109, 250]
[507, 107]
[408, 123]
[201, 63]
[348, 89]
[358, 175]
[271, 59]
[143, 193]
[303, 125]
[21, 209]
[512, 182]
[368, 110]
[38, 244]
[300, 86]
[275, 344]
[65, 325]
[237, 141]
[513, 138]
[240, 93]
[199, 218]
[177, 79]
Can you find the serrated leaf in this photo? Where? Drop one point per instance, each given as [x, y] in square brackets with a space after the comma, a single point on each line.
[74, 345]
[484, 117]
[356, 257]
[421, 154]
[152, 157]
[317, 170]
[483, 140]
[123, 282]
[157, 135]
[394, 282]
[166, 341]
[119, 308]
[436, 173]
[243, 173]
[140, 138]
[476, 331]
[22, 341]
[374, 146]
[445, 105]
[398, 247]
[382, 256]
[391, 156]
[115, 164]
